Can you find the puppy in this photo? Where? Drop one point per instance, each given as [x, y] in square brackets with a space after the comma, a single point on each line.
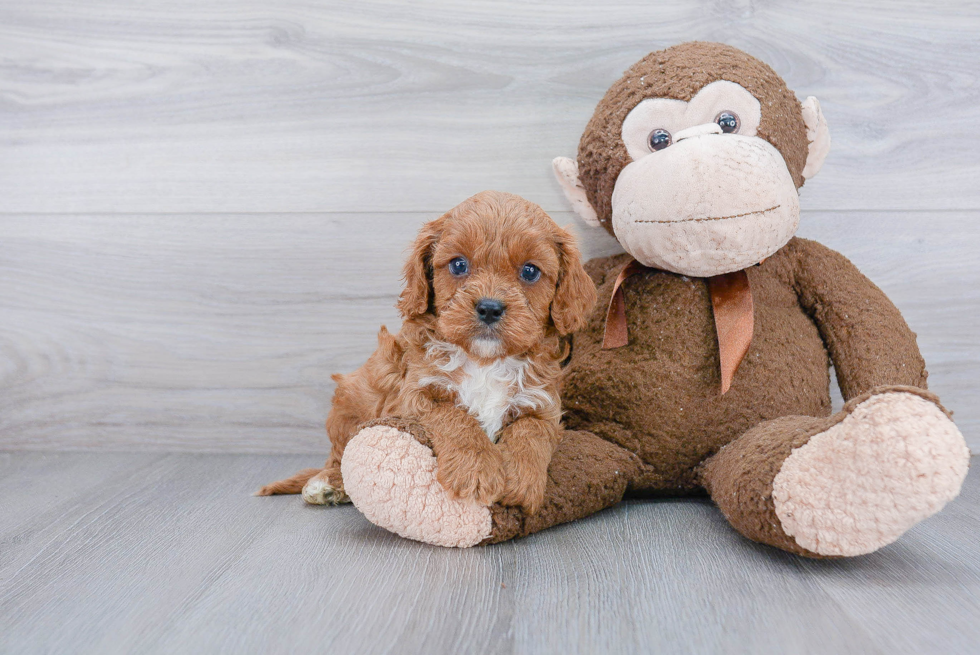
[491, 288]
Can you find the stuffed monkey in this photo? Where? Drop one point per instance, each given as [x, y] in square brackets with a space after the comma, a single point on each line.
[705, 367]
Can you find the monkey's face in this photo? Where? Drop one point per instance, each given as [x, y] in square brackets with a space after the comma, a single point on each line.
[703, 195]
[694, 158]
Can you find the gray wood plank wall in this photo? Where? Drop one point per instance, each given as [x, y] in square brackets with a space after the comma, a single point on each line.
[203, 205]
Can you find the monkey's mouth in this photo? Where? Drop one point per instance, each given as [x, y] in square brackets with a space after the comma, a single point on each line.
[757, 212]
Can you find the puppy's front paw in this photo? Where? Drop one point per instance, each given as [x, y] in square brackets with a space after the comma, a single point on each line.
[470, 473]
[317, 491]
[524, 484]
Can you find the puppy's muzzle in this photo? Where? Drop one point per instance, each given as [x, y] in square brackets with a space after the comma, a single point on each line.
[490, 310]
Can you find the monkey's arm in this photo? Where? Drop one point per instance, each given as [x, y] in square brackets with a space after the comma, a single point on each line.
[869, 342]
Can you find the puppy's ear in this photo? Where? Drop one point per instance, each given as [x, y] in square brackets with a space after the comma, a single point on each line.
[576, 295]
[418, 295]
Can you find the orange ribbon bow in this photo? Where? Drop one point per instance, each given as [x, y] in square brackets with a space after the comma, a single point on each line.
[731, 302]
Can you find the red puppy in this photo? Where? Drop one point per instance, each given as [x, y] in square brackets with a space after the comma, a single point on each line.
[490, 290]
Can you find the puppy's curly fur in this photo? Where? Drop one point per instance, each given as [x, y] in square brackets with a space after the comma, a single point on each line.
[487, 392]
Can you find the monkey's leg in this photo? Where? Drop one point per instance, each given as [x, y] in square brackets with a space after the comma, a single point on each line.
[844, 485]
[586, 474]
[390, 474]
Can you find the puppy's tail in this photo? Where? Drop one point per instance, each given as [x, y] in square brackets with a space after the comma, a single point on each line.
[291, 485]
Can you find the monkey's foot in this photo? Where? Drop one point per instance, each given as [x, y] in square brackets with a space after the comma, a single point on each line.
[317, 491]
[391, 478]
[894, 460]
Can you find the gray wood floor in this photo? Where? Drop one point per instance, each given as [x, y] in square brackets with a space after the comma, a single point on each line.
[154, 553]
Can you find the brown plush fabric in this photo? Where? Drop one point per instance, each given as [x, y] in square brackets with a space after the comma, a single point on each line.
[731, 305]
[655, 399]
[679, 72]
[658, 396]
[740, 476]
[867, 338]
[648, 418]
[586, 475]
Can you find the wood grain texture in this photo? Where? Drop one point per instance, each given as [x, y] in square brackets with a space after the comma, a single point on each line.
[375, 105]
[203, 209]
[872, 589]
[169, 553]
[220, 333]
[275, 160]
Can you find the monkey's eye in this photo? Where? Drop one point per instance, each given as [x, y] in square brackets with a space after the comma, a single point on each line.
[459, 266]
[530, 273]
[659, 139]
[728, 122]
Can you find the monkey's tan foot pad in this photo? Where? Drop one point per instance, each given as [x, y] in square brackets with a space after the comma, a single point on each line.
[391, 478]
[894, 460]
[317, 491]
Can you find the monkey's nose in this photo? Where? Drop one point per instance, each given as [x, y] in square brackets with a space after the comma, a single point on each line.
[698, 130]
[490, 310]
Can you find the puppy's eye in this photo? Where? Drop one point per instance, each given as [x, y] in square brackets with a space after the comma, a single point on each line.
[728, 122]
[459, 266]
[530, 273]
[658, 140]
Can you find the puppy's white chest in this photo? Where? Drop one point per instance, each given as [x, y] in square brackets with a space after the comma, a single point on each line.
[491, 392]
[487, 393]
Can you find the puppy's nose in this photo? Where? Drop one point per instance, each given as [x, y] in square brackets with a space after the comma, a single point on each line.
[490, 310]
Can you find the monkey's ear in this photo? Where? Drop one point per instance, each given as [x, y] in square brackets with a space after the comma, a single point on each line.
[566, 170]
[417, 295]
[817, 135]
